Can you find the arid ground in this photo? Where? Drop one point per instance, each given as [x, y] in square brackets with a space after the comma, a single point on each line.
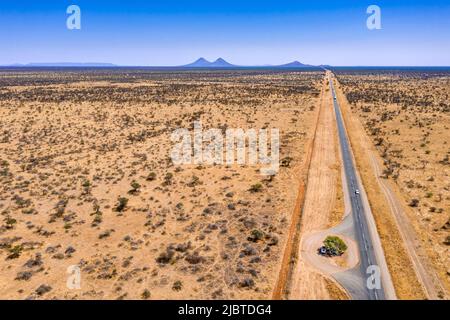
[86, 180]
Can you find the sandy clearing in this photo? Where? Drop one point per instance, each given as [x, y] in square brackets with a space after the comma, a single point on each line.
[329, 265]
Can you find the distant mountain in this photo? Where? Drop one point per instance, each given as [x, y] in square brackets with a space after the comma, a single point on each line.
[221, 63]
[65, 64]
[199, 63]
[203, 63]
[294, 64]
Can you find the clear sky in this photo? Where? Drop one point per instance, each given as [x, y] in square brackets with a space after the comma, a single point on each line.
[245, 32]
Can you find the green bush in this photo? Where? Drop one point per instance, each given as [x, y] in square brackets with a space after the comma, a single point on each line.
[336, 244]
[257, 187]
[146, 294]
[151, 176]
[134, 187]
[86, 183]
[256, 235]
[121, 204]
[14, 252]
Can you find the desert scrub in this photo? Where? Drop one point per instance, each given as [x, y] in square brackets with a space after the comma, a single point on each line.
[166, 257]
[86, 184]
[168, 179]
[256, 235]
[134, 187]
[145, 295]
[60, 208]
[151, 176]
[10, 222]
[4, 165]
[195, 181]
[447, 241]
[286, 162]
[121, 204]
[177, 285]
[4, 171]
[414, 203]
[257, 187]
[14, 252]
[97, 216]
[179, 206]
[21, 202]
[105, 234]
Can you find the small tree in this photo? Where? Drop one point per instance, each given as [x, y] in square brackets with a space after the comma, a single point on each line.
[256, 235]
[335, 244]
[151, 176]
[134, 187]
[121, 204]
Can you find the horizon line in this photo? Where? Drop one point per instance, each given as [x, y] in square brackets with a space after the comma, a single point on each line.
[113, 65]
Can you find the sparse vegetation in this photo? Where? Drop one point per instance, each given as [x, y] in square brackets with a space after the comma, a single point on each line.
[121, 204]
[14, 252]
[257, 187]
[86, 177]
[177, 285]
[134, 187]
[151, 176]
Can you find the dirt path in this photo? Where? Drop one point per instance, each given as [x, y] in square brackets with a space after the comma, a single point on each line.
[425, 273]
[324, 171]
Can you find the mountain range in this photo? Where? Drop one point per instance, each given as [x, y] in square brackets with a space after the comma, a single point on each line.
[203, 63]
[221, 63]
[199, 63]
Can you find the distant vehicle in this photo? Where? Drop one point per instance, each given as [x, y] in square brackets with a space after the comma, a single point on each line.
[356, 191]
[334, 97]
[327, 252]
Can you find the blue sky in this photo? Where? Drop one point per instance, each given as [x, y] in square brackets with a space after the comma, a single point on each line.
[244, 32]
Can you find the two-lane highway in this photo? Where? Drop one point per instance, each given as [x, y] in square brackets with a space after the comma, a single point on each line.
[362, 233]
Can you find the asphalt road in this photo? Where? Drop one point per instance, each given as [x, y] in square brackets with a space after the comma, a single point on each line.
[362, 234]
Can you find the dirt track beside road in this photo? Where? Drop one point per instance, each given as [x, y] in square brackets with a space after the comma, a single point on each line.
[320, 203]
